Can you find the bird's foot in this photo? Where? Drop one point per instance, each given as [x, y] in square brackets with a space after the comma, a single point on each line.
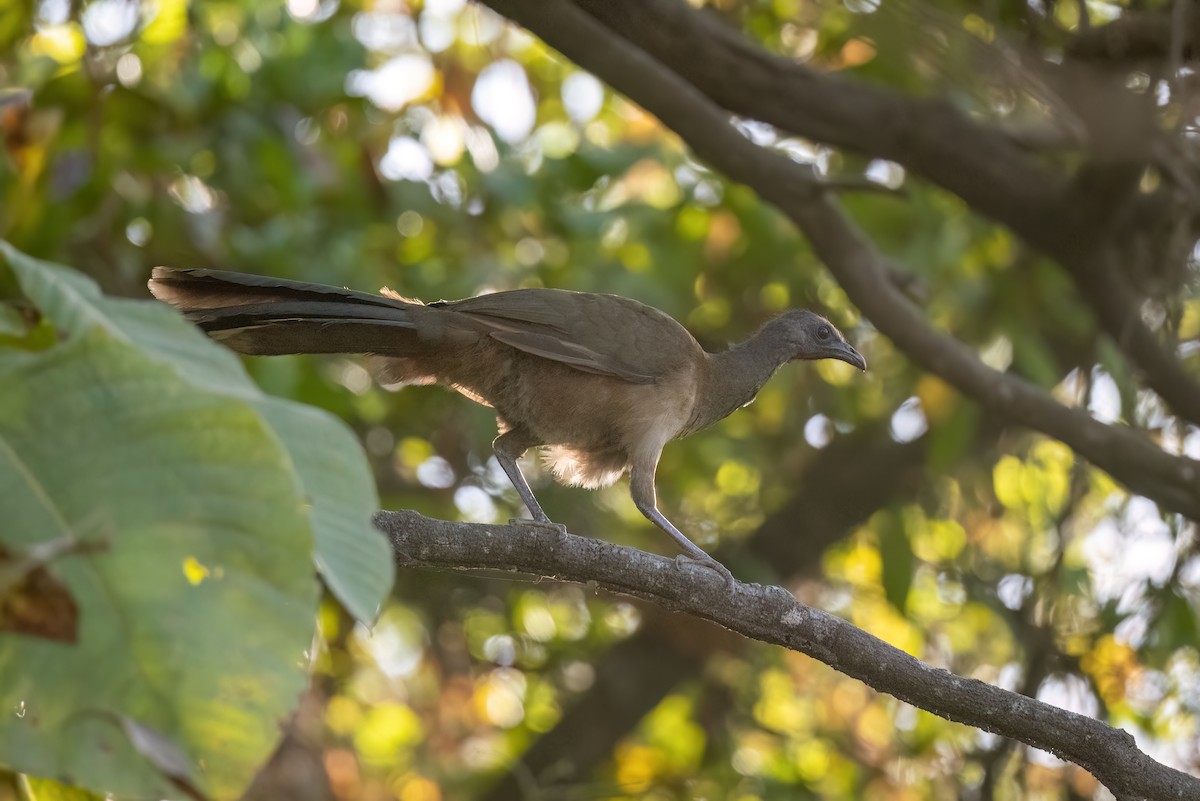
[540, 525]
[710, 563]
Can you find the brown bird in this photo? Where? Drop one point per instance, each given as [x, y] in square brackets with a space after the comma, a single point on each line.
[602, 380]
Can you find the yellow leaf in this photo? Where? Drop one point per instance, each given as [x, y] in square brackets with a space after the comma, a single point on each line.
[169, 23]
[938, 398]
[63, 43]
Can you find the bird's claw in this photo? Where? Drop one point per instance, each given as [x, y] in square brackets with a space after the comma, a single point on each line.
[708, 562]
[541, 525]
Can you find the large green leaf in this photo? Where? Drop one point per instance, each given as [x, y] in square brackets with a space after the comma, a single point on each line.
[351, 555]
[355, 561]
[187, 562]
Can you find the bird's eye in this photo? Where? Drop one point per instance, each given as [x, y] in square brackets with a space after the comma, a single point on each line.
[824, 333]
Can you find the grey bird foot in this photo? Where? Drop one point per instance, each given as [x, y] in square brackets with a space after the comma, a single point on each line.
[541, 525]
[710, 563]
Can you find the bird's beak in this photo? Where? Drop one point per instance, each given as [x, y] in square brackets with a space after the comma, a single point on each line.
[843, 352]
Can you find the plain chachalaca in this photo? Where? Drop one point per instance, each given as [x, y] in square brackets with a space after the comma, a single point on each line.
[603, 381]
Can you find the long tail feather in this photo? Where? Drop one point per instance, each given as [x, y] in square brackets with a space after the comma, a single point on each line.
[263, 316]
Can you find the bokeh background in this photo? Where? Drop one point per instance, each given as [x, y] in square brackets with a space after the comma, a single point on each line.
[438, 149]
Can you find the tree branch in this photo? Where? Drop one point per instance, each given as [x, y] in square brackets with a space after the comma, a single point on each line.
[1172, 481]
[1137, 37]
[772, 615]
[1101, 195]
[931, 138]
[838, 489]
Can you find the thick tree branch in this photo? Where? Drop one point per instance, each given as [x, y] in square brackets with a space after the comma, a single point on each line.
[1172, 481]
[1137, 37]
[772, 615]
[838, 489]
[931, 138]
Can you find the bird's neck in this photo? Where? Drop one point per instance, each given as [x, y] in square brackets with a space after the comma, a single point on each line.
[732, 378]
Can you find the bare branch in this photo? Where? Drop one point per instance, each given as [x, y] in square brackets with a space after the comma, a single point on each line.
[1172, 481]
[772, 615]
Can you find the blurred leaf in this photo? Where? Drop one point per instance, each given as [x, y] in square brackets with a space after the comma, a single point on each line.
[954, 438]
[1176, 626]
[898, 560]
[107, 447]
[1033, 358]
[32, 601]
[35, 789]
[163, 754]
[12, 324]
[352, 556]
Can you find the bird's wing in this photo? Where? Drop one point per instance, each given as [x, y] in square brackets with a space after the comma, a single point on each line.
[555, 348]
[602, 334]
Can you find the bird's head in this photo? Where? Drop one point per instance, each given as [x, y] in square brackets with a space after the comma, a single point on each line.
[812, 337]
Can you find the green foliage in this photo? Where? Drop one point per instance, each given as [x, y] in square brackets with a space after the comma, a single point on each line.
[160, 516]
[350, 555]
[239, 135]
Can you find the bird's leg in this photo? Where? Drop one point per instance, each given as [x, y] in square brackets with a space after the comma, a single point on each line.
[641, 485]
[508, 447]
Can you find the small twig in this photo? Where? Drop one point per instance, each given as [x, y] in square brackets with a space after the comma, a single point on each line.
[1085, 17]
[41, 554]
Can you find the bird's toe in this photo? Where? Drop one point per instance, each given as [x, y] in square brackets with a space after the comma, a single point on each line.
[539, 525]
[710, 563]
